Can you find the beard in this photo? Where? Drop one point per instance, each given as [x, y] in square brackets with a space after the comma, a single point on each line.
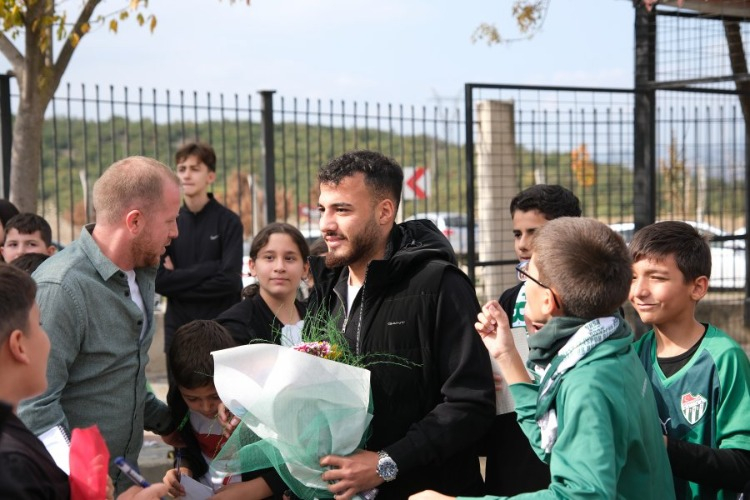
[143, 252]
[361, 246]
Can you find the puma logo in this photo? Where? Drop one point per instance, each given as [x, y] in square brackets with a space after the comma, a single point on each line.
[213, 237]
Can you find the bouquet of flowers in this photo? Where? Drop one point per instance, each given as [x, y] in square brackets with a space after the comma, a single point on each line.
[297, 405]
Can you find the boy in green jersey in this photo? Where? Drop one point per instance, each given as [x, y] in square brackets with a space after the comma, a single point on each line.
[700, 376]
[592, 414]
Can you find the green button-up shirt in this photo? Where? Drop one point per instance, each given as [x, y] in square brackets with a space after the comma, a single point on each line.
[96, 370]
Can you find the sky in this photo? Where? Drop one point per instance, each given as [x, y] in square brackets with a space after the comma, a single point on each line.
[411, 52]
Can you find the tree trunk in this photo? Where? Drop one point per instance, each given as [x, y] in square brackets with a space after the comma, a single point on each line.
[26, 153]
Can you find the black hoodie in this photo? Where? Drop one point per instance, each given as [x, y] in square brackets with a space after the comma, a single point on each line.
[417, 305]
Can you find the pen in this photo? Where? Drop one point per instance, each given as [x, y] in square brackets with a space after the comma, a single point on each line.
[178, 464]
[130, 471]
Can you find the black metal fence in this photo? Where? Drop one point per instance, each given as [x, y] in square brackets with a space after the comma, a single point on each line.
[257, 138]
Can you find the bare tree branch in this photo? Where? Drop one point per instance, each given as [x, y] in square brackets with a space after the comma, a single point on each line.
[11, 53]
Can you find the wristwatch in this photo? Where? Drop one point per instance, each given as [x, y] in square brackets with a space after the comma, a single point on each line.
[387, 468]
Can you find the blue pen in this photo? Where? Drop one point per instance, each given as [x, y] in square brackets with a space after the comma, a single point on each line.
[130, 471]
[178, 464]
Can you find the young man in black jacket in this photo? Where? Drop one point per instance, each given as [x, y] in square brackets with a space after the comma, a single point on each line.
[201, 271]
[396, 290]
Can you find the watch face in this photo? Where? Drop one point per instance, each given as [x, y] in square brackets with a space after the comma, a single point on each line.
[387, 469]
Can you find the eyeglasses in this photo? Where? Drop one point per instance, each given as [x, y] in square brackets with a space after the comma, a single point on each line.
[523, 274]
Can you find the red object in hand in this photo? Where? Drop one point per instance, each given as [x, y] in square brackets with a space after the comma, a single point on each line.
[89, 464]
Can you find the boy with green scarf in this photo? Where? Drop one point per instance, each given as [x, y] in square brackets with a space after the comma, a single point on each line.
[591, 413]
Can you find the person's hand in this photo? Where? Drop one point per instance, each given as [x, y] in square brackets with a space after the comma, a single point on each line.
[110, 489]
[352, 474]
[173, 439]
[227, 420]
[153, 492]
[168, 264]
[492, 326]
[498, 382]
[173, 481]
[430, 495]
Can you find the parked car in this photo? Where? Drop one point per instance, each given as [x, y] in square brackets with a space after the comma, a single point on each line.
[727, 256]
[453, 225]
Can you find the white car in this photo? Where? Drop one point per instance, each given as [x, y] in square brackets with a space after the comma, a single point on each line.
[453, 225]
[727, 256]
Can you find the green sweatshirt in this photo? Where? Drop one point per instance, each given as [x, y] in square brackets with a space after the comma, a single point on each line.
[609, 444]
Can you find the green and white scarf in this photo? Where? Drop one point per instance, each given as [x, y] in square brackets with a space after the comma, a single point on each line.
[551, 364]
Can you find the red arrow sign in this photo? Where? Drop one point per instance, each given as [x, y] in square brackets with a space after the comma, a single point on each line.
[413, 181]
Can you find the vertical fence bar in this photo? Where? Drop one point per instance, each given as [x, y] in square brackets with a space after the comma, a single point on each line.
[127, 123]
[86, 179]
[98, 132]
[469, 159]
[141, 131]
[282, 113]
[238, 153]
[71, 174]
[268, 153]
[112, 122]
[55, 166]
[156, 127]
[6, 133]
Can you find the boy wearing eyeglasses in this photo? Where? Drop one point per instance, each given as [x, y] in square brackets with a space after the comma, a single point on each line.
[591, 413]
[512, 467]
[701, 377]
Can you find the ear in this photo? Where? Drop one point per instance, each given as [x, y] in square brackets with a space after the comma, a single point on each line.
[17, 347]
[135, 221]
[251, 265]
[699, 288]
[549, 307]
[386, 211]
[211, 176]
[51, 250]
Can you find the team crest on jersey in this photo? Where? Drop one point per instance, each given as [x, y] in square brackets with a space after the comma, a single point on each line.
[693, 407]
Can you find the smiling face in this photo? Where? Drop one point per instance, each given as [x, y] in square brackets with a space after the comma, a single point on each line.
[354, 225]
[525, 226]
[279, 268]
[195, 176]
[204, 400]
[660, 294]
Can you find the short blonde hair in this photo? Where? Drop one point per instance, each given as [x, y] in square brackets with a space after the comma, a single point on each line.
[136, 182]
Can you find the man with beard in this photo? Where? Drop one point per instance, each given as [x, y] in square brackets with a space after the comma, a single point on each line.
[96, 299]
[396, 291]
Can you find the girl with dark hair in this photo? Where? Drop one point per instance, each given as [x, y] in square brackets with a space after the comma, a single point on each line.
[270, 309]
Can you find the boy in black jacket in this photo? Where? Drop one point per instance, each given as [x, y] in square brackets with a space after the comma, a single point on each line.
[201, 271]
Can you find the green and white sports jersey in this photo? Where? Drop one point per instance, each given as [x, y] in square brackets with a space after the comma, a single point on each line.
[518, 308]
[706, 402]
